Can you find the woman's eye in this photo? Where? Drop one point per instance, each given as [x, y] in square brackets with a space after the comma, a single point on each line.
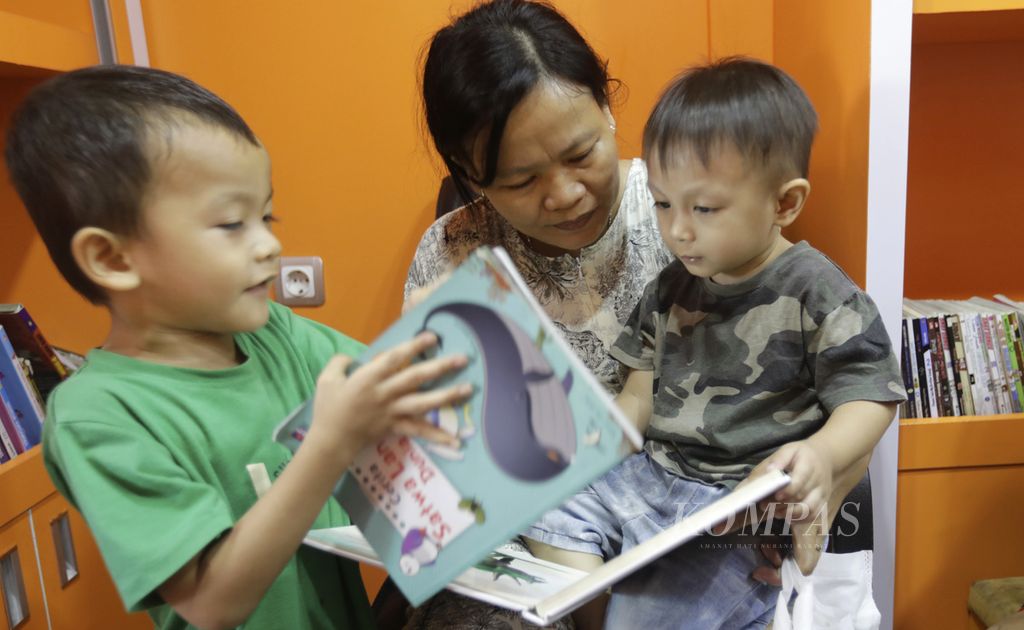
[579, 158]
[520, 185]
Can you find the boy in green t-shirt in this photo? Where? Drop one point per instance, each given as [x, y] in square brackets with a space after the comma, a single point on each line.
[154, 200]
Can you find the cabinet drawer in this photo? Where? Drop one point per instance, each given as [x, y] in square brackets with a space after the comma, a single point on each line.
[79, 591]
[21, 595]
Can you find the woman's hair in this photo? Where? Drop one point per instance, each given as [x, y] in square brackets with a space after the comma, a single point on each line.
[479, 67]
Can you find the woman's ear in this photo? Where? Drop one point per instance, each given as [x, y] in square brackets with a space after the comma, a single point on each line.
[611, 119]
[791, 198]
[102, 257]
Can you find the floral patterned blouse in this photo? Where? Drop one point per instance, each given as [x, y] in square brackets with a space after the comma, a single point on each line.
[589, 297]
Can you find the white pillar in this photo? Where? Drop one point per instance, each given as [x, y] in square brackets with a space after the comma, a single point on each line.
[891, 25]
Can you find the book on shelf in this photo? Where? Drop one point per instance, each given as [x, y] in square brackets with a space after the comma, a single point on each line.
[510, 577]
[975, 349]
[30, 344]
[537, 428]
[12, 437]
[21, 392]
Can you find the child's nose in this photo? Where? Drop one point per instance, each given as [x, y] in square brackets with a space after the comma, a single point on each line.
[681, 228]
[268, 247]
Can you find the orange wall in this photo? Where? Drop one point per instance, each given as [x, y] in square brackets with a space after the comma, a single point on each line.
[964, 184]
[826, 46]
[331, 89]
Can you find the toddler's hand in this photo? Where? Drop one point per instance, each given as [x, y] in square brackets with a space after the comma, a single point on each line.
[382, 395]
[810, 475]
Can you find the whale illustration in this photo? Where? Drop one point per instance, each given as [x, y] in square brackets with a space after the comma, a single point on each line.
[526, 420]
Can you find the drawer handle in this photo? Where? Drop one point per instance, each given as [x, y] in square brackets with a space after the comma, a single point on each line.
[15, 603]
[67, 562]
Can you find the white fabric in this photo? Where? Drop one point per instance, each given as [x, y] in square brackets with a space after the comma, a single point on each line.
[835, 596]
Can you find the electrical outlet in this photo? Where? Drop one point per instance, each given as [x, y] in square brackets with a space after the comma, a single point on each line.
[300, 281]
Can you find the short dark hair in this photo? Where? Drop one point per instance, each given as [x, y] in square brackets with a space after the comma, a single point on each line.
[479, 67]
[78, 151]
[753, 105]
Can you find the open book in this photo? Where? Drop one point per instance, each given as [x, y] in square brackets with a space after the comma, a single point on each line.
[544, 591]
[537, 428]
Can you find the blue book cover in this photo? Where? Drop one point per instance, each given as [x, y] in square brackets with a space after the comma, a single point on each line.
[28, 412]
[537, 429]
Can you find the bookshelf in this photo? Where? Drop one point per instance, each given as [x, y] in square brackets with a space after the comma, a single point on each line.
[955, 523]
[43, 540]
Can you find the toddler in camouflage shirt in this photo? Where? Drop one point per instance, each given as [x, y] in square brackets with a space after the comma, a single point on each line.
[747, 353]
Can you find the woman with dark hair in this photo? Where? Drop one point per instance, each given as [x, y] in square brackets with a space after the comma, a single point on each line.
[517, 104]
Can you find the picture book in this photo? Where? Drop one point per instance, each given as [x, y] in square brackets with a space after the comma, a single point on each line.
[30, 344]
[22, 394]
[537, 428]
[510, 577]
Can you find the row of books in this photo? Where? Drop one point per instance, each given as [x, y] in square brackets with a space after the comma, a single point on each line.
[29, 368]
[962, 357]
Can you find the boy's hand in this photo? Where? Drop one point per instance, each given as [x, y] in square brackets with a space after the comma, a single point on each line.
[383, 395]
[810, 474]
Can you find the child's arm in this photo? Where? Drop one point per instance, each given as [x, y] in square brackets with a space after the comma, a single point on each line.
[829, 456]
[221, 586]
[636, 400]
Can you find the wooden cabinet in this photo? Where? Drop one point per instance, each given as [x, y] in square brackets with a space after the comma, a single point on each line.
[51, 572]
[959, 515]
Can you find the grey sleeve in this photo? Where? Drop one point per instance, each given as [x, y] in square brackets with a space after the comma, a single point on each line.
[851, 356]
[634, 347]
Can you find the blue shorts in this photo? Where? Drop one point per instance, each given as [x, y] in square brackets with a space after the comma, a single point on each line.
[705, 583]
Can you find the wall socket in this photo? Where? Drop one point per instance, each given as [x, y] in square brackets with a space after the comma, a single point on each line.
[300, 281]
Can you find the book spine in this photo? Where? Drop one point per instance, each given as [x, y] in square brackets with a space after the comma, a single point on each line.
[1018, 345]
[7, 448]
[908, 367]
[1009, 355]
[10, 432]
[939, 368]
[28, 412]
[919, 405]
[963, 368]
[40, 343]
[952, 374]
[984, 393]
[1014, 350]
[999, 393]
[925, 362]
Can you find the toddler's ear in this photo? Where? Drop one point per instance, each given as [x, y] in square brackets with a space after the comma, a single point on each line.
[101, 256]
[791, 198]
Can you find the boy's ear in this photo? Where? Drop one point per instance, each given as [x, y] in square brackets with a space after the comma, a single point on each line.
[102, 257]
[791, 198]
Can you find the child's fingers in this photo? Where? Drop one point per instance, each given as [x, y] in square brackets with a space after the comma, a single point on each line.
[334, 370]
[393, 360]
[410, 378]
[423, 429]
[419, 403]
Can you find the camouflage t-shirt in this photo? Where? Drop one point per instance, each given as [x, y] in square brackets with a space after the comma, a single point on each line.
[741, 369]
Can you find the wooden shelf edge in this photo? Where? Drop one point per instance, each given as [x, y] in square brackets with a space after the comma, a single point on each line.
[23, 483]
[29, 43]
[961, 442]
[965, 6]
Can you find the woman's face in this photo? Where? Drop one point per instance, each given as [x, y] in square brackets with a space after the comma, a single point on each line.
[557, 178]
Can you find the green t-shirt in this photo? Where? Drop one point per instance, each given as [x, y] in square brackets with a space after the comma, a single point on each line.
[155, 459]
